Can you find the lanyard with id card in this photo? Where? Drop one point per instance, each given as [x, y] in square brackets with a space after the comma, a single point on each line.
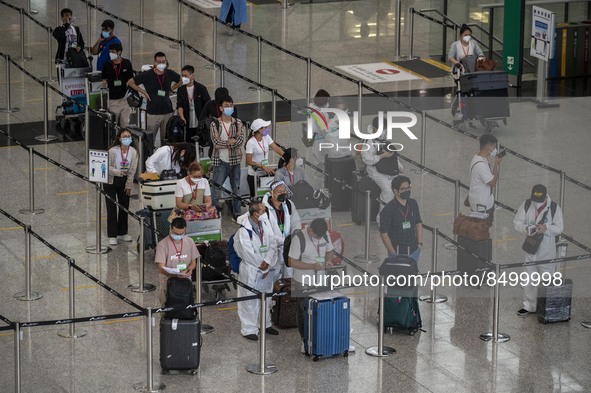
[406, 223]
[161, 92]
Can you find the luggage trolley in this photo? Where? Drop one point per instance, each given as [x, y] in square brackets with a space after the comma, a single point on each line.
[481, 96]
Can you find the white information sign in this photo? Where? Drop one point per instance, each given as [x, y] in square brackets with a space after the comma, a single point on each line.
[542, 34]
[378, 72]
[98, 166]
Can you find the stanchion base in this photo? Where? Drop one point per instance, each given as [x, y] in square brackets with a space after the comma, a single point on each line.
[586, 325]
[23, 296]
[419, 171]
[256, 369]
[42, 138]
[26, 58]
[375, 351]
[450, 247]
[93, 250]
[206, 329]
[254, 88]
[78, 333]
[33, 212]
[429, 299]
[209, 66]
[9, 110]
[156, 387]
[33, 12]
[138, 289]
[501, 337]
[369, 259]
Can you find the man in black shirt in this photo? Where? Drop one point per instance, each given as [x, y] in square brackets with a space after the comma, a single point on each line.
[191, 98]
[116, 73]
[157, 83]
[400, 221]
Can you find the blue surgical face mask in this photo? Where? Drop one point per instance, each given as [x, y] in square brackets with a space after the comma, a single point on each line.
[106, 34]
[229, 111]
[176, 237]
[126, 141]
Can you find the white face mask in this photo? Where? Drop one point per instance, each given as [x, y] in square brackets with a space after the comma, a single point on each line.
[186, 80]
[161, 67]
[300, 162]
[467, 38]
[494, 153]
[195, 179]
[263, 217]
[113, 56]
[538, 205]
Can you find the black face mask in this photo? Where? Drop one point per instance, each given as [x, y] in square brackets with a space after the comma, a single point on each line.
[281, 197]
[405, 195]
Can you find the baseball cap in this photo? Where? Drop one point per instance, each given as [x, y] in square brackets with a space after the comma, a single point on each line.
[258, 124]
[538, 193]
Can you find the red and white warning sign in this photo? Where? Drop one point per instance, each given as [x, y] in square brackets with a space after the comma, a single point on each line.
[378, 73]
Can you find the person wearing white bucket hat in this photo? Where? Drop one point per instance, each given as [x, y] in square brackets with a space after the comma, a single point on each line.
[258, 147]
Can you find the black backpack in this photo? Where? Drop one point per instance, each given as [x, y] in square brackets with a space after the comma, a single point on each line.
[175, 130]
[287, 245]
[215, 255]
[303, 195]
[388, 165]
[179, 293]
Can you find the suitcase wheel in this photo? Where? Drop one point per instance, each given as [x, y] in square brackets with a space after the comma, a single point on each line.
[412, 332]
[315, 359]
[346, 354]
[193, 372]
[165, 372]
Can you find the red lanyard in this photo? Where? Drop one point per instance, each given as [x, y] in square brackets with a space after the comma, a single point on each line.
[117, 69]
[124, 158]
[291, 176]
[538, 211]
[262, 148]
[280, 214]
[261, 233]
[160, 82]
[403, 214]
[225, 129]
[178, 253]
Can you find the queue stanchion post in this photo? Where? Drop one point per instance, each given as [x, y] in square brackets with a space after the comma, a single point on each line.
[214, 43]
[130, 40]
[222, 74]
[86, 125]
[273, 113]
[360, 104]
[433, 298]
[259, 63]
[562, 190]
[141, 13]
[262, 368]
[149, 386]
[411, 11]
[381, 350]
[423, 143]
[205, 329]
[88, 21]
[22, 35]
[71, 331]
[98, 248]
[9, 108]
[31, 11]
[58, 17]
[308, 79]
[28, 295]
[46, 137]
[457, 198]
[367, 258]
[31, 209]
[142, 287]
[182, 46]
[50, 58]
[495, 335]
[398, 26]
[17, 357]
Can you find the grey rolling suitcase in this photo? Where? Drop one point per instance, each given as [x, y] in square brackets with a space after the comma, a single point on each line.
[554, 302]
[180, 344]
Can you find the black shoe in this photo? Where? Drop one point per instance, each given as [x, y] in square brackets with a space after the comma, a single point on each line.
[271, 331]
[252, 337]
[523, 312]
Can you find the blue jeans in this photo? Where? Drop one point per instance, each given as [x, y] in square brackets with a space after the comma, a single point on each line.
[220, 174]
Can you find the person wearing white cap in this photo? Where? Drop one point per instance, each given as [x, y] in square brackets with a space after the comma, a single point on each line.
[538, 216]
[258, 147]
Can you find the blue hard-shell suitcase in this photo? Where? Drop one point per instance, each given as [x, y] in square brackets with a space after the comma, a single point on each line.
[327, 326]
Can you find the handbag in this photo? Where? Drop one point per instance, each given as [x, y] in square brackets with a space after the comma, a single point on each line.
[76, 59]
[531, 244]
[485, 65]
[471, 228]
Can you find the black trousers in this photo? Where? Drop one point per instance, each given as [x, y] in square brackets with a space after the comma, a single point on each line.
[251, 188]
[116, 221]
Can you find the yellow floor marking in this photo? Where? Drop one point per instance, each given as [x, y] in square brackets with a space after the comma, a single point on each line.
[37, 258]
[8, 147]
[72, 193]
[443, 214]
[228, 308]
[79, 287]
[10, 228]
[7, 334]
[437, 64]
[121, 320]
[346, 225]
[407, 70]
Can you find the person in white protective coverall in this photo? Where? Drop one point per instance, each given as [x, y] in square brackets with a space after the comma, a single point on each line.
[284, 219]
[372, 156]
[538, 215]
[256, 245]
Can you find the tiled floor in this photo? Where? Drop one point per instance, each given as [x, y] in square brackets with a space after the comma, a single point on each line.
[447, 357]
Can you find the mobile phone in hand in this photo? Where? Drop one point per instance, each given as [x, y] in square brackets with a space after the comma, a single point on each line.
[502, 153]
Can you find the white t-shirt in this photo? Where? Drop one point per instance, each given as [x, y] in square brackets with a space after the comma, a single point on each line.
[184, 188]
[314, 248]
[161, 160]
[259, 151]
[481, 196]
[226, 128]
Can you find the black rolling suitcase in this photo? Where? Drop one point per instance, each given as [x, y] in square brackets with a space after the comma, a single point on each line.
[339, 177]
[180, 344]
[554, 302]
[179, 293]
[101, 130]
[469, 264]
[361, 183]
[143, 141]
[149, 234]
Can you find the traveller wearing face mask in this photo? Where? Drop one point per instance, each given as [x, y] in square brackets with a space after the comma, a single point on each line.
[256, 245]
[116, 73]
[227, 136]
[401, 226]
[482, 179]
[291, 168]
[158, 83]
[103, 44]
[176, 251]
[177, 156]
[123, 160]
[193, 192]
[463, 53]
[538, 215]
[320, 123]
[284, 219]
[191, 99]
[68, 37]
[258, 147]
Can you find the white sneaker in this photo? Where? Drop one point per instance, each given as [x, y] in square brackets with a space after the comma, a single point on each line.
[113, 241]
[351, 348]
[125, 238]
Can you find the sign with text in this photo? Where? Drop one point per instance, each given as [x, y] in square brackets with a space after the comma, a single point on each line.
[378, 72]
[98, 166]
[542, 34]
